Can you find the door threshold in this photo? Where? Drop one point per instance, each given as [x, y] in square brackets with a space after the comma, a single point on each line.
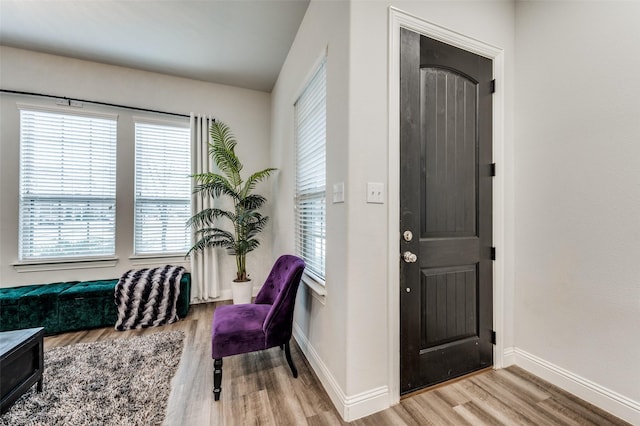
[448, 382]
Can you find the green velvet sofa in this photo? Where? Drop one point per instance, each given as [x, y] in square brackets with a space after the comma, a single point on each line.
[69, 306]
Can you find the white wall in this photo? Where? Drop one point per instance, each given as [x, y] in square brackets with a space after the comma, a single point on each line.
[577, 171]
[348, 336]
[246, 111]
[319, 326]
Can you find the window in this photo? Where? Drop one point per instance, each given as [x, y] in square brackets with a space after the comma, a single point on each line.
[310, 135]
[67, 185]
[162, 188]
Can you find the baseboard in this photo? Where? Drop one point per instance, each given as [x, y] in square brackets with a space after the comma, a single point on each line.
[350, 407]
[509, 356]
[329, 383]
[366, 403]
[225, 294]
[610, 401]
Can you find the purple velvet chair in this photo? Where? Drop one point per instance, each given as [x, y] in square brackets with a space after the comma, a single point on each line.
[263, 324]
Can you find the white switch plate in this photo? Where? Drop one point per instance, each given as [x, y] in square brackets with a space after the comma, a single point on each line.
[338, 193]
[375, 192]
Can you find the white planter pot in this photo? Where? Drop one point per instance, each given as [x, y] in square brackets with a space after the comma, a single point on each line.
[242, 292]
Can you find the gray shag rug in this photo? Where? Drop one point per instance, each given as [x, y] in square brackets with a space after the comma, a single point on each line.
[117, 382]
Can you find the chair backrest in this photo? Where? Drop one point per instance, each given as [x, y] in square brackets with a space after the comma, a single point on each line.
[279, 291]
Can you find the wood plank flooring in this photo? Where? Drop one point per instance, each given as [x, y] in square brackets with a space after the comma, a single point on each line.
[258, 389]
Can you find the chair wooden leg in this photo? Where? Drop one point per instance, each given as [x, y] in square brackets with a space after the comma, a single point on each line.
[287, 352]
[217, 378]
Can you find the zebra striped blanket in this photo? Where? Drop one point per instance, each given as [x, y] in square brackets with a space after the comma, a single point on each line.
[148, 297]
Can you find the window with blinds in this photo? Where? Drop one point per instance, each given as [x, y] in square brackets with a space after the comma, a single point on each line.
[310, 197]
[67, 185]
[162, 188]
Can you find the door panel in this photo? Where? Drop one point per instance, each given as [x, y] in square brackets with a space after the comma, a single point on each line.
[449, 178]
[448, 305]
[445, 201]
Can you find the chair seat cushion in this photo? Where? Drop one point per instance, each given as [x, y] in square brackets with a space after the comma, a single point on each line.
[238, 329]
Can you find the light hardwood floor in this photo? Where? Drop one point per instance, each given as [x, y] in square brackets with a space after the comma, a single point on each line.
[258, 389]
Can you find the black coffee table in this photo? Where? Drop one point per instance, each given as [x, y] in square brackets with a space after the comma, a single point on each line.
[21, 363]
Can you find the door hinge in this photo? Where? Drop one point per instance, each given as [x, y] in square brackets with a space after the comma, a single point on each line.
[493, 253]
[493, 337]
[492, 169]
[492, 86]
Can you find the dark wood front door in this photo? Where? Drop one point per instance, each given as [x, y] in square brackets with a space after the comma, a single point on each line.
[446, 282]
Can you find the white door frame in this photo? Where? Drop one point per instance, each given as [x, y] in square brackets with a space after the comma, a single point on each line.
[399, 19]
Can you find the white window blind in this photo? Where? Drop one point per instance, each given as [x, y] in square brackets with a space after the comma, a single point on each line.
[67, 185]
[310, 203]
[162, 188]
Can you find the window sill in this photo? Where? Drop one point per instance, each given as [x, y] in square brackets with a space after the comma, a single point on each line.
[159, 259]
[59, 265]
[318, 289]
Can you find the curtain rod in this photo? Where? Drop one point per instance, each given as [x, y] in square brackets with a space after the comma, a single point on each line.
[15, 92]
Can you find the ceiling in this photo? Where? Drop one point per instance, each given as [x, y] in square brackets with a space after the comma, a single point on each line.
[240, 43]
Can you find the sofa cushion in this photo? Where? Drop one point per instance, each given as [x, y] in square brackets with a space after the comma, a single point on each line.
[228, 320]
[87, 304]
[39, 307]
[10, 296]
[9, 302]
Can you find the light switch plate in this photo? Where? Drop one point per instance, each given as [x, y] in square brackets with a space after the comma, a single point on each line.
[375, 192]
[338, 192]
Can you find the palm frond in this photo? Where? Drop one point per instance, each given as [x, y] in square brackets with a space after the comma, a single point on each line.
[214, 185]
[210, 241]
[222, 150]
[252, 202]
[215, 233]
[250, 184]
[207, 217]
[257, 226]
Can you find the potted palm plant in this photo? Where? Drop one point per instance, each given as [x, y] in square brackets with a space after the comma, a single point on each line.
[245, 221]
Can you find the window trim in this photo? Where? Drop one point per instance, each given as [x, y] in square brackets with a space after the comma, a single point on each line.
[160, 259]
[65, 262]
[318, 288]
[311, 280]
[140, 258]
[55, 264]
